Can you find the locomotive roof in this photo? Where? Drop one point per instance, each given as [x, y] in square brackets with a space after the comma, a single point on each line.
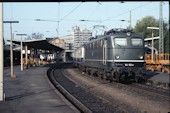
[117, 34]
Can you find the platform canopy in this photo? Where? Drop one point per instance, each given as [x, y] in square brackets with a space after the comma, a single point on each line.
[63, 1]
[43, 44]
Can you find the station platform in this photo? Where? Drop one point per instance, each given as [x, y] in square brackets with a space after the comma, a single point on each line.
[158, 78]
[32, 92]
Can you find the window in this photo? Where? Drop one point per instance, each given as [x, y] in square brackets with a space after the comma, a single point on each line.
[120, 41]
[101, 43]
[136, 42]
[98, 44]
[93, 44]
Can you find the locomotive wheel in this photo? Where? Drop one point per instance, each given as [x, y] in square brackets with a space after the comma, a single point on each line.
[96, 74]
[118, 78]
[89, 72]
[101, 76]
[123, 78]
[111, 76]
[107, 76]
[137, 79]
[85, 69]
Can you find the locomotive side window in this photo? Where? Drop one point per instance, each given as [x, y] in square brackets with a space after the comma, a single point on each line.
[136, 42]
[101, 43]
[120, 41]
[97, 44]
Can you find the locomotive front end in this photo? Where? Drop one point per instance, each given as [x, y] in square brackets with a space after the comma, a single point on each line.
[128, 57]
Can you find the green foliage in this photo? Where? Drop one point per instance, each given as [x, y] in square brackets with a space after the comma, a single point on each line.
[166, 42]
[35, 36]
[149, 21]
[141, 26]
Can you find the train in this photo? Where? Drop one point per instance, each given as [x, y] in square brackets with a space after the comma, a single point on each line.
[117, 55]
[16, 58]
[148, 50]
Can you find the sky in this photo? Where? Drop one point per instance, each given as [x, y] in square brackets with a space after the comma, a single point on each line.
[61, 17]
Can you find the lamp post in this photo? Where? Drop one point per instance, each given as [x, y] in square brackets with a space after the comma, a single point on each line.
[11, 50]
[21, 50]
[152, 28]
[1, 53]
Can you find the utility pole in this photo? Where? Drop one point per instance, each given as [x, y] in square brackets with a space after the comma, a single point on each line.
[161, 39]
[1, 53]
[152, 28]
[130, 20]
[21, 51]
[58, 24]
[11, 49]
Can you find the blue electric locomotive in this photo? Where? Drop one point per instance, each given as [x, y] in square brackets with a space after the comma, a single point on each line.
[117, 55]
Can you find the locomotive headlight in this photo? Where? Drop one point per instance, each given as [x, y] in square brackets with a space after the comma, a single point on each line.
[140, 57]
[128, 34]
[117, 56]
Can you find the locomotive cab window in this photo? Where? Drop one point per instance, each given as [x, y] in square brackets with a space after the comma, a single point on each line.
[120, 42]
[136, 42]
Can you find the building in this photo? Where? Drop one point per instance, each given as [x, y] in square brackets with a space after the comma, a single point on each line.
[80, 36]
[75, 39]
[68, 43]
[68, 39]
[58, 42]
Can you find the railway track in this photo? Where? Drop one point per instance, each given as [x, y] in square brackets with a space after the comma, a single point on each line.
[85, 100]
[144, 88]
[144, 91]
[156, 90]
[152, 92]
[89, 100]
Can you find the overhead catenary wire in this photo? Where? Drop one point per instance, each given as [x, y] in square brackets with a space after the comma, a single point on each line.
[109, 19]
[126, 12]
[71, 11]
[66, 15]
[98, 4]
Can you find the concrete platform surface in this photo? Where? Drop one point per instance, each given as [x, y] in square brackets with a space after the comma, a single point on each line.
[158, 78]
[31, 92]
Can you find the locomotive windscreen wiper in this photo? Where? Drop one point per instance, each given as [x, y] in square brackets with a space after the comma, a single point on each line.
[118, 45]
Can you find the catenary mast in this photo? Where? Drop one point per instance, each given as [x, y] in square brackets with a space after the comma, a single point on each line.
[161, 39]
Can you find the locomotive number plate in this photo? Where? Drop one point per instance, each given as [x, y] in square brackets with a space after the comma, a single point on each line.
[129, 64]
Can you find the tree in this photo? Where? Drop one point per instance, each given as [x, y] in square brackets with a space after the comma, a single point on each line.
[149, 21]
[166, 40]
[35, 36]
[141, 26]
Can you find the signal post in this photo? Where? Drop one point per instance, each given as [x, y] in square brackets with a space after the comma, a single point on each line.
[1, 53]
